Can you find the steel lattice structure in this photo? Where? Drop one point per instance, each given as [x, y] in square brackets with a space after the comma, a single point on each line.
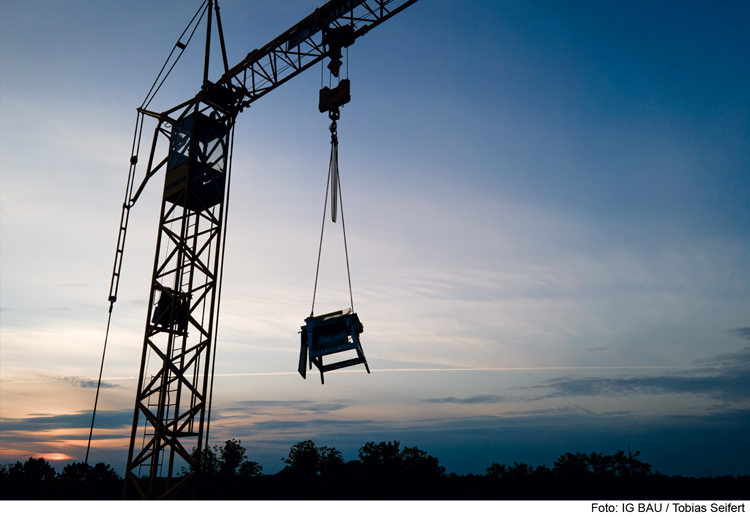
[175, 373]
[172, 405]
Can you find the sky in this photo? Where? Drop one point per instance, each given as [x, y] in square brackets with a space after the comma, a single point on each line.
[547, 224]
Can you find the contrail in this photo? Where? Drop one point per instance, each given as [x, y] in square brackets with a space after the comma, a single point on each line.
[437, 369]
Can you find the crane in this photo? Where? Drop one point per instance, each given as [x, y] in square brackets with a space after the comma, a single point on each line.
[173, 398]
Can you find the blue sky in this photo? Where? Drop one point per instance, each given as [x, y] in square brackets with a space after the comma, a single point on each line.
[548, 228]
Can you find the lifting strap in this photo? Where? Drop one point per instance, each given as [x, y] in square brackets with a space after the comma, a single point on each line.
[337, 202]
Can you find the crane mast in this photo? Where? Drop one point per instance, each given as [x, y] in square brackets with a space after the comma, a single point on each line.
[172, 405]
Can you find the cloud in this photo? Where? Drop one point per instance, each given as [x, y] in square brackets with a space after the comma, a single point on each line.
[256, 406]
[105, 419]
[311, 428]
[723, 377]
[722, 388]
[727, 362]
[476, 399]
[553, 420]
[371, 427]
[85, 382]
[742, 332]
[561, 410]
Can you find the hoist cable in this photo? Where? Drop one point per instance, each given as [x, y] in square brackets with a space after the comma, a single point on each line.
[346, 250]
[336, 200]
[322, 228]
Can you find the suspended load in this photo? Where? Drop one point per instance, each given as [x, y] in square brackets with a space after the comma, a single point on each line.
[335, 332]
[339, 331]
[329, 334]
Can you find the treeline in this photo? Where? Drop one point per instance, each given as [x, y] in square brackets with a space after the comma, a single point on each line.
[35, 479]
[382, 471]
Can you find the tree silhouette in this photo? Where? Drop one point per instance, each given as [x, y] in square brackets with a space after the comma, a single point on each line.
[383, 470]
[420, 465]
[232, 456]
[496, 470]
[517, 471]
[303, 459]
[330, 461]
[234, 462]
[600, 465]
[629, 466]
[249, 469]
[307, 460]
[388, 472]
[81, 481]
[381, 459]
[33, 479]
[580, 465]
[207, 462]
[230, 462]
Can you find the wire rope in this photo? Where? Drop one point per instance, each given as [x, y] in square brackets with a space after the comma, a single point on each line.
[320, 246]
[96, 400]
[346, 250]
[134, 151]
[333, 182]
[149, 96]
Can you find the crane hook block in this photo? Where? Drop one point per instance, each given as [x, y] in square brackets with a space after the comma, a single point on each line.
[335, 39]
[331, 99]
[329, 334]
[339, 37]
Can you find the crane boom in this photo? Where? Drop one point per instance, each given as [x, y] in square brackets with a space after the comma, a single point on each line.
[305, 44]
[173, 398]
[294, 51]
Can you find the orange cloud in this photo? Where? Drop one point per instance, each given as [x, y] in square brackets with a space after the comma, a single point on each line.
[8, 453]
[53, 456]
